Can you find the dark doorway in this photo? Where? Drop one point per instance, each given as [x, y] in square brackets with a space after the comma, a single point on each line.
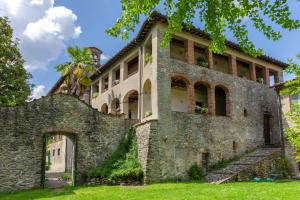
[220, 100]
[267, 129]
[59, 163]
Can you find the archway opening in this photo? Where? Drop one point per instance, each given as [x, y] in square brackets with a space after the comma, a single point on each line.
[201, 98]
[220, 101]
[147, 99]
[115, 106]
[131, 104]
[59, 161]
[179, 94]
[104, 108]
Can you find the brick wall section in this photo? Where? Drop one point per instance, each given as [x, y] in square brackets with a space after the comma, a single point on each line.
[232, 65]
[22, 130]
[190, 52]
[266, 74]
[252, 72]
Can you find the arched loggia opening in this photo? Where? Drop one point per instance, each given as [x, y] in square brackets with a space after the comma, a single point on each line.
[221, 101]
[201, 97]
[131, 104]
[115, 106]
[104, 108]
[179, 94]
[147, 99]
[59, 160]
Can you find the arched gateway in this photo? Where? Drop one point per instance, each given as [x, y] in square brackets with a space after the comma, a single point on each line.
[24, 129]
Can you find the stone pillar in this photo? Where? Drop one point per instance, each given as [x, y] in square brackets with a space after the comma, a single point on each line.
[266, 74]
[232, 65]
[190, 53]
[191, 98]
[211, 101]
[252, 71]
[210, 58]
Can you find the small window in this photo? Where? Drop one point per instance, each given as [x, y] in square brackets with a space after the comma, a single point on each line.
[105, 83]
[133, 66]
[116, 76]
[95, 89]
[178, 49]
[200, 56]
[259, 74]
[234, 146]
[53, 152]
[221, 63]
[58, 151]
[243, 69]
[273, 77]
[148, 51]
[245, 112]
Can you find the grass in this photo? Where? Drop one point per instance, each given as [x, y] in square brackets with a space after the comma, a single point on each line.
[168, 191]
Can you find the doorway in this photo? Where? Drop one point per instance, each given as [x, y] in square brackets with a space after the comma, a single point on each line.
[59, 162]
[267, 129]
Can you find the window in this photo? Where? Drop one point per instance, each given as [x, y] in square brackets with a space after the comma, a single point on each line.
[53, 152]
[273, 77]
[58, 151]
[148, 51]
[201, 56]
[105, 80]
[220, 99]
[104, 108]
[179, 94]
[221, 63]
[116, 76]
[259, 74]
[178, 49]
[95, 89]
[132, 67]
[243, 70]
[201, 98]
[245, 112]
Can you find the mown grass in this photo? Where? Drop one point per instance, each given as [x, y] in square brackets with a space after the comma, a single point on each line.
[168, 191]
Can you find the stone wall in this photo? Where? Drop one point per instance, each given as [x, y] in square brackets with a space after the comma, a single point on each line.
[22, 131]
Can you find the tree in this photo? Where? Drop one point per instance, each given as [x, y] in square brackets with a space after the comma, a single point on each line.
[77, 72]
[217, 16]
[14, 80]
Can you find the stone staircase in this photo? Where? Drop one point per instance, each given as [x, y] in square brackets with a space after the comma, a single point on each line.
[244, 166]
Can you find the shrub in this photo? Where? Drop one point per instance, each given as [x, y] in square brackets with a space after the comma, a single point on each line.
[196, 172]
[66, 177]
[122, 165]
[284, 167]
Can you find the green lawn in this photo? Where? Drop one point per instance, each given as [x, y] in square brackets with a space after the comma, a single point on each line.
[169, 191]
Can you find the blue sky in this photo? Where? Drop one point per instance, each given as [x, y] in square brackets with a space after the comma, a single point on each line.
[86, 22]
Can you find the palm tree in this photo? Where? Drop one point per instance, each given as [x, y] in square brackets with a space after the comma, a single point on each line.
[77, 72]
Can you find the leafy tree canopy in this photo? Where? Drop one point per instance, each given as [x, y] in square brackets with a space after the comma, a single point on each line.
[14, 86]
[292, 86]
[217, 16]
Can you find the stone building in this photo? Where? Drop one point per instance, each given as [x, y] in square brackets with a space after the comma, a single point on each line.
[60, 154]
[192, 106]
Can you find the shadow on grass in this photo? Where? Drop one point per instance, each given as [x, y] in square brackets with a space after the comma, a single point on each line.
[38, 193]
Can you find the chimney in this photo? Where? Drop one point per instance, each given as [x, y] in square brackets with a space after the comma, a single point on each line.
[96, 54]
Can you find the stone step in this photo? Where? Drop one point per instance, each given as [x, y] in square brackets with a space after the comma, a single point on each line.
[244, 163]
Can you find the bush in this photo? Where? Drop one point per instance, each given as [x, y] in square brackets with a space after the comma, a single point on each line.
[122, 165]
[284, 168]
[66, 177]
[196, 172]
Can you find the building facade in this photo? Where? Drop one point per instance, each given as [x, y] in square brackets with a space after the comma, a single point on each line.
[193, 106]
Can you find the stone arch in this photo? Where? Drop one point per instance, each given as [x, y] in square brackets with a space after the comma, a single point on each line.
[221, 100]
[147, 98]
[201, 93]
[115, 106]
[104, 108]
[131, 105]
[59, 113]
[180, 91]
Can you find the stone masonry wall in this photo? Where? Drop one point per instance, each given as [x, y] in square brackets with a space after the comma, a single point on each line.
[22, 130]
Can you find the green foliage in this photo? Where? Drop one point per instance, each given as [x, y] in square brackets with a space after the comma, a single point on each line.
[293, 133]
[148, 58]
[196, 172]
[14, 80]
[292, 86]
[202, 62]
[77, 72]
[47, 166]
[122, 165]
[217, 16]
[66, 177]
[284, 168]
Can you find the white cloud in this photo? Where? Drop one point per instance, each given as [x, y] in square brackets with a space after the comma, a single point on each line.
[37, 92]
[104, 57]
[42, 28]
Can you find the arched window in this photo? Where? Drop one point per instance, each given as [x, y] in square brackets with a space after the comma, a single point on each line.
[115, 106]
[220, 101]
[201, 98]
[104, 108]
[147, 99]
[179, 94]
[131, 104]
